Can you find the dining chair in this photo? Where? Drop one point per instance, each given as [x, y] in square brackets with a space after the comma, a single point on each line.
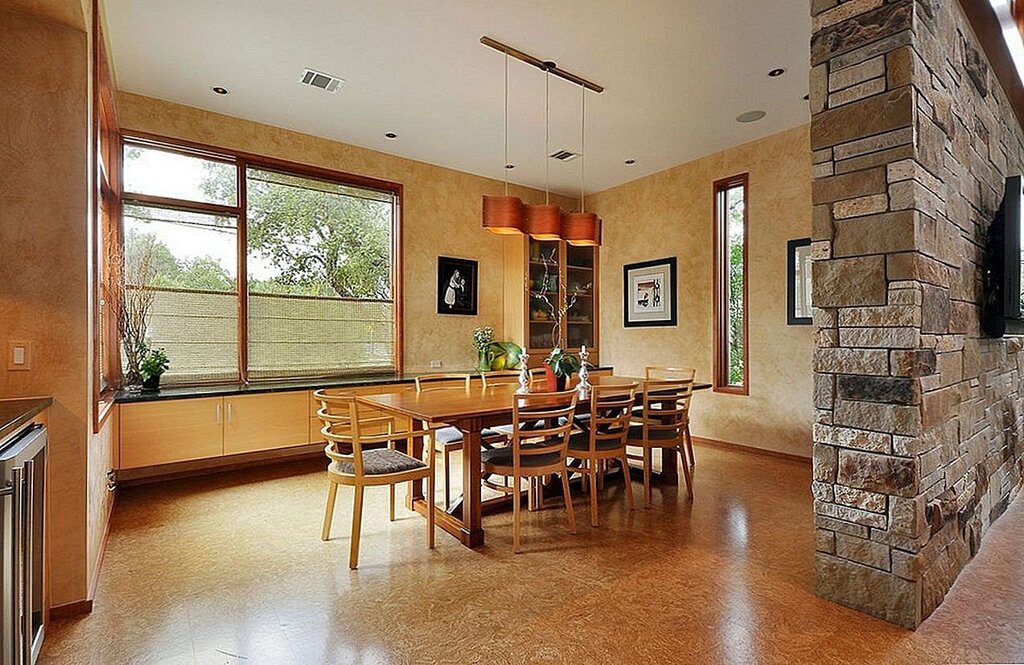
[659, 373]
[366, 466]
[535, 452]
[604, 438]
[665, 408]
[447, 438]
[511, 376]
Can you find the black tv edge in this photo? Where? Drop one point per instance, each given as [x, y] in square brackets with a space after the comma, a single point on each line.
[1002, 268]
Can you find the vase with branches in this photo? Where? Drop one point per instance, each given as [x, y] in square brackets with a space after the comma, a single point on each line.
[130, 297]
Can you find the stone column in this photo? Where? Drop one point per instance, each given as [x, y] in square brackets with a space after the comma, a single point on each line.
[912, 424]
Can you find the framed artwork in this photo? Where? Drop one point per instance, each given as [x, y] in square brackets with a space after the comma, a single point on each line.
[649, 293]
[798, 287]
[456, 286]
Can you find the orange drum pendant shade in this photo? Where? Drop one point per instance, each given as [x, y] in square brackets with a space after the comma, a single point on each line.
[504, 215]
[544, 221]
[581, 229]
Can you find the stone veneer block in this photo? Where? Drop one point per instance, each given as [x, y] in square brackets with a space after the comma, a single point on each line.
[854, 361]
[883, 474]
[888, 389]
[849, 282]
[863, 551]
[850, 185]
[859, 207]
[860, 30]
[875, 234]
[865, 71]
[878, 417]
[875, 115]
[866, 589]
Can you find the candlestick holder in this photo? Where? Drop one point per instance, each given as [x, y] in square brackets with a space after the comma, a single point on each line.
[583, 387]
[524, 375]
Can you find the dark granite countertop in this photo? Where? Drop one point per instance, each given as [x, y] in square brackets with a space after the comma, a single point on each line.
[228, 389]
[16, 412]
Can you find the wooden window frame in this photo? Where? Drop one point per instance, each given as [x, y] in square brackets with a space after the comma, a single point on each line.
[721, 305]
[243, 161]
[106, 225]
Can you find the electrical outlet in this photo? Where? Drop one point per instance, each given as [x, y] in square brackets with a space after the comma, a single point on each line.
[19, 356]
[435, 364]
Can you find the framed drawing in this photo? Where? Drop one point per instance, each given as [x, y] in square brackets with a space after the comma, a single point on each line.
[798, 288]
[649, 293]
[456, 286]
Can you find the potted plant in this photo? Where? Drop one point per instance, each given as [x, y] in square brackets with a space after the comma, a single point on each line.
[558, 367]
[154, 364]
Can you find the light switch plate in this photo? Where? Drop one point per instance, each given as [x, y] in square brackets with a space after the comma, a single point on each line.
[19, 356]
[435, 364]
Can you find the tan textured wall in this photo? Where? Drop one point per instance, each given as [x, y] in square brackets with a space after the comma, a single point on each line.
[441, 216]
[671, 213]
[44, 260]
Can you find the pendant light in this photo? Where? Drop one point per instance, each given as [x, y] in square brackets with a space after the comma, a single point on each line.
[503, 215]
[544, 221]
[582, 228]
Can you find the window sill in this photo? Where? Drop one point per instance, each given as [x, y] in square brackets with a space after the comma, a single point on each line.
[104, 407]
[732, 390]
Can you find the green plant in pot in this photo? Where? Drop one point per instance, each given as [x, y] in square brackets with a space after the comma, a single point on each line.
[482, 339]
[154, 364]
[558, 367]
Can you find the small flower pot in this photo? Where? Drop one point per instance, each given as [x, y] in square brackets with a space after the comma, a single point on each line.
[151, 384]
[554, 383]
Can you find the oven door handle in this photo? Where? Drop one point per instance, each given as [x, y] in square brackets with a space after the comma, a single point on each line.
[28, 487]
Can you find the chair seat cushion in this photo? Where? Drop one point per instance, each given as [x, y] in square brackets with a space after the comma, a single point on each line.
[451, 435]
[637, 432]
[379, 462]
[502, 457]
[580, 441]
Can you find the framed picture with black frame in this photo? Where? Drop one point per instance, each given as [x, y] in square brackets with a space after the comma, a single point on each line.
[798, 282]
[649, 293]
[456, 286]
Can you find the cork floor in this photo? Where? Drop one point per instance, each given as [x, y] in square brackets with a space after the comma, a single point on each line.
[230, 569]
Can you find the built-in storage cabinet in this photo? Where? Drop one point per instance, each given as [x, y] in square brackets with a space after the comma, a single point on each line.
[264, 422]
[556, 273]
[171, 431]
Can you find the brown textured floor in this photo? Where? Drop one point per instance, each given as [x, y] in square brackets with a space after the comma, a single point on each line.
[230, 569]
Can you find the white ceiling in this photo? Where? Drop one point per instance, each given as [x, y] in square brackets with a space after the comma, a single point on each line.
[676, 74]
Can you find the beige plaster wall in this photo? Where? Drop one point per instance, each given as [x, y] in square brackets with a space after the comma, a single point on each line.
[441, 216]
[44, 271]
[671, 213]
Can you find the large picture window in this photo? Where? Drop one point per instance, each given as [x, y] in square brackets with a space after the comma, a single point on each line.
[259, 270]
[731, 367]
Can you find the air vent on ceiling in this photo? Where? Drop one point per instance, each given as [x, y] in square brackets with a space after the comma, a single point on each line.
[321, 80]
[564, 155]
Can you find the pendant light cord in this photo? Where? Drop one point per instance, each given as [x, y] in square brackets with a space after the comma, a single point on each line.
[547, 131]
[504, 167]
[583, 145]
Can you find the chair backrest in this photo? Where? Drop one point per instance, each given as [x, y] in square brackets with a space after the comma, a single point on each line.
[435, 381]
[661, 373]
[544, 419]
[666, 407]
[511, 376]
[611, 410]
[347, 434]
[334, 406]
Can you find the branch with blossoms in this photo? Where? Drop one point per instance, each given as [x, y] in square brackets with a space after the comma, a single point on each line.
[559, 311]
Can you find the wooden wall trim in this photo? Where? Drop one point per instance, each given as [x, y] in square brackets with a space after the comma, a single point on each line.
[721, 309]
[983, 19]
[751, 450]
[68, 610]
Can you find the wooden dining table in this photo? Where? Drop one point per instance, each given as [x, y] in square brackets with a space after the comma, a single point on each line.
[471, 411]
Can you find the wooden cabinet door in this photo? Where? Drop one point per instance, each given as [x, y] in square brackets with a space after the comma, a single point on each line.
[171, 431]
[267, 421]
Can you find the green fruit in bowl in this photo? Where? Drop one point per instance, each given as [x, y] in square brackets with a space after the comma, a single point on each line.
[504, 355]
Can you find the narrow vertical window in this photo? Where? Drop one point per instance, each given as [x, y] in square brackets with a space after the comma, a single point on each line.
[731, 365]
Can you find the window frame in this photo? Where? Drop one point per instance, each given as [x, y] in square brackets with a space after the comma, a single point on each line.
[243, 161]
[721, 292]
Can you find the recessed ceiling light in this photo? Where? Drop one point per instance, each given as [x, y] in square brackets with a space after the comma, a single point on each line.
[219, 89]
[391, 136]
[807, 98]
[777, 72]
[630, 162]
[510, 166]
[750, 116]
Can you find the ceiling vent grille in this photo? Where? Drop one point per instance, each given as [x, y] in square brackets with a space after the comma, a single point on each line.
[564, 155]
[321, 80]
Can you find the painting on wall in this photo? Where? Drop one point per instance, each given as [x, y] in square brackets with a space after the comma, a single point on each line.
[798, 312]
[649, 292]
[456, 286]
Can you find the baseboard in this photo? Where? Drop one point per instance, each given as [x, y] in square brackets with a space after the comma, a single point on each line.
[74, 609]
[178, 470]
[739, 447]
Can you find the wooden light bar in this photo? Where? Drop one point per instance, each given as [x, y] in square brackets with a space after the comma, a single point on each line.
[543, 65]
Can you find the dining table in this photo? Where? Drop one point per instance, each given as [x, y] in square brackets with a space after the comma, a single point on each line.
[471, 410]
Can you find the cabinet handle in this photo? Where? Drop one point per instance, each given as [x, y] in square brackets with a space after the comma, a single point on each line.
[217, 417]
[230, 412]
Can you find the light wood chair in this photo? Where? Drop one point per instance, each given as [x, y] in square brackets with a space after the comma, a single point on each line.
[659, 373]
[604, 438]
[368, 466]
[535, 452]
[505, 377]
[664, 414]
[448, 439]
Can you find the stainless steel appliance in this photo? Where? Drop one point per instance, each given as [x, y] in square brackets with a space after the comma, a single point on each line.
[22, 487]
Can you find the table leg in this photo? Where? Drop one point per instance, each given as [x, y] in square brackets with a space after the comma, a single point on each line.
[669, 470]
[416, 486]
[472, 522]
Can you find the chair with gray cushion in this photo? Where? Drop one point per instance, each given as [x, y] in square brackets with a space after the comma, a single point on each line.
[662, 423]
[355, 463]
[659, 373]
